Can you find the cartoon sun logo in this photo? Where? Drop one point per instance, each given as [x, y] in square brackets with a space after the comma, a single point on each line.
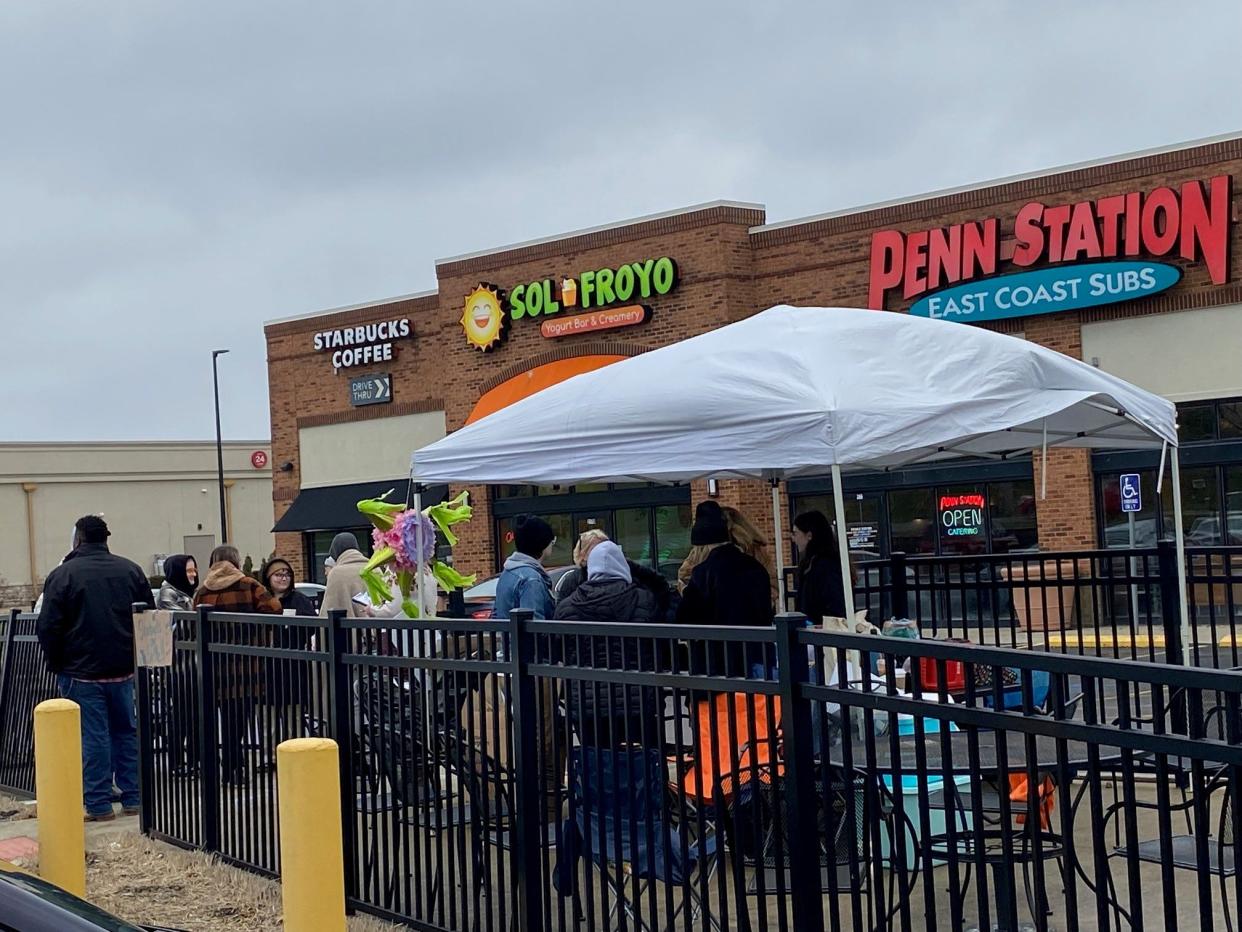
[484, 318]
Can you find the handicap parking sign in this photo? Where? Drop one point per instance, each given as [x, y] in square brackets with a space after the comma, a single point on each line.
[1131, 495]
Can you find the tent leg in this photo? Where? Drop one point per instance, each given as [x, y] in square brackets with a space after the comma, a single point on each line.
[779, 545]
[843, 546]
[1180, 541]
[418, 570]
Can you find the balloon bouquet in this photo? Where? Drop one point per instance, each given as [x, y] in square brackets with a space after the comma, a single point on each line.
[405, 544]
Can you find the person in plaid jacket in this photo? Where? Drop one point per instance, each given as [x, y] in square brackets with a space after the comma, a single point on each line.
[227, 589]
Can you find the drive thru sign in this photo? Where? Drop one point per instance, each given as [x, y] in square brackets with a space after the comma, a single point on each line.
[1131, 495]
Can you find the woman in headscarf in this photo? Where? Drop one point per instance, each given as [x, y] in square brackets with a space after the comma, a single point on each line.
[177, 595]
[180, 581]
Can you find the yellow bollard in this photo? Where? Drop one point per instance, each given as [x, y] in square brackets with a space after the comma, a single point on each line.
[58, 789]
[312, 865]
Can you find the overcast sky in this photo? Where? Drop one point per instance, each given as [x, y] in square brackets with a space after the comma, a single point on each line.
[172, 175]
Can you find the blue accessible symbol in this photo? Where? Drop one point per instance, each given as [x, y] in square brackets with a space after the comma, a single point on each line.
[1131, 495]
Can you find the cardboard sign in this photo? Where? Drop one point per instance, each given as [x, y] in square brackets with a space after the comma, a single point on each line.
[153, 639]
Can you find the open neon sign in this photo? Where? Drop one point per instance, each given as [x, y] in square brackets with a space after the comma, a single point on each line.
[962, 515]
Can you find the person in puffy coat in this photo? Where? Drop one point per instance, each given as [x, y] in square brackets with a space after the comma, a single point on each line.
[666, 599]
[611, 715]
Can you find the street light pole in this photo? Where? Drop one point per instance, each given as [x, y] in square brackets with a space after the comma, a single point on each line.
[215, 382]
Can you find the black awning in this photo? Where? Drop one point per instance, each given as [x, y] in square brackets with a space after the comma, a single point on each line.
[335, 507]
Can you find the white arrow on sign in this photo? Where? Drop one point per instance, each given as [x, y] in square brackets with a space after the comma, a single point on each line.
[381, 388]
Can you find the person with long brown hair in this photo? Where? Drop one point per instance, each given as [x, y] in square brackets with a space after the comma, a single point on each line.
[747, 538]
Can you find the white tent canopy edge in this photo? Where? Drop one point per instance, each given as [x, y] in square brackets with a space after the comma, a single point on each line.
[793, 391]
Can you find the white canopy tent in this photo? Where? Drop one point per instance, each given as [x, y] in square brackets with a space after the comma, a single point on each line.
[795, 391]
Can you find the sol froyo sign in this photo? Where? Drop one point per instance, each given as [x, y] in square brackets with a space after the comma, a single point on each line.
[615, 297]
[1079, 255]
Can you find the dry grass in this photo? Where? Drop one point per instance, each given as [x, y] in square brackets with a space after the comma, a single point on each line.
[145, 881]
[13, 809]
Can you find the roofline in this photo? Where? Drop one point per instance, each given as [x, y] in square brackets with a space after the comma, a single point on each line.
[997, 182]
[633, 221]
[380, 302]
[184, 444]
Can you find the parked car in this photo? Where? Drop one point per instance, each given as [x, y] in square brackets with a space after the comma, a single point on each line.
[30, 904]
[312, 591]
[481, 597]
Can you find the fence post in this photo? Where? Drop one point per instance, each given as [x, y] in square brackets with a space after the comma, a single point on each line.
[1171, 619]
[209, 774]
[341, 726]
[58, 789]
[6, 669]
[527, 823]
[899, 596]
[146, 740]
[800, 797]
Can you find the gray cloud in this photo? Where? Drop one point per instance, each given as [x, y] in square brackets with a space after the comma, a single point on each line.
[172, 175]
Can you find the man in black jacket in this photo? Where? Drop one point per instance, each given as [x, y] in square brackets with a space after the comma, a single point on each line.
[86, 629]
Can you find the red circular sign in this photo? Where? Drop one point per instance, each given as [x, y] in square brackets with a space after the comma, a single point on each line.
[258, 459]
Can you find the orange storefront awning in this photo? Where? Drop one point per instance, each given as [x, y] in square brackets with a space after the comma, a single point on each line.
[536, 380]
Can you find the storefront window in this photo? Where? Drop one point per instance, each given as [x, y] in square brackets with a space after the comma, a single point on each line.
[1196, 422]
[912, 521]
[1200, 507]
[562, 550]
[1011, 506]
[319, 543]
[672, 524]
[961, 513]
[1230, 420]
[1233, 505]
[632, 532]
[514, 491]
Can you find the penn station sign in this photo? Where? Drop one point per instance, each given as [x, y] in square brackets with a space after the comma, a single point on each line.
[593, 300]
[1060, 258]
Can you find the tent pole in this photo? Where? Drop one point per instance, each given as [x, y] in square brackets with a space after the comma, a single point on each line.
[1187, 649]
[843, 546]
[779, 545]
[418, 569]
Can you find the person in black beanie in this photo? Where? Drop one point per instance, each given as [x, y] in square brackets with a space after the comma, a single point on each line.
[86, 630]
[727, 588]
[524, 583]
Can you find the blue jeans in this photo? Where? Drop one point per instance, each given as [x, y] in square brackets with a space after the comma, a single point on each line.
[109, 741]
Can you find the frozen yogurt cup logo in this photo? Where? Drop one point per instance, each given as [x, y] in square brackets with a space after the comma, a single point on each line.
[484, 319]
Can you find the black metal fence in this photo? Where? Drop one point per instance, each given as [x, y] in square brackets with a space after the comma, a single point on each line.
[560, 775]
[1109, 603]
[24, 683]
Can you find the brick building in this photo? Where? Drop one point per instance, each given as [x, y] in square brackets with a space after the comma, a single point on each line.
[1125, 263]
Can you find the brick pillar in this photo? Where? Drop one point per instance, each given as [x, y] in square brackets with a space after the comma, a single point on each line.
[1067, 517]
[476, 550]
[288, 545]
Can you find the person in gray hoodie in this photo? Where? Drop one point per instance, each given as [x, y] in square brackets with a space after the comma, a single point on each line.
[524, 583]
[612, 715]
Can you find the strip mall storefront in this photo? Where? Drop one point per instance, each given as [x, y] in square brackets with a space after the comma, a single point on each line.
[1129, 264]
